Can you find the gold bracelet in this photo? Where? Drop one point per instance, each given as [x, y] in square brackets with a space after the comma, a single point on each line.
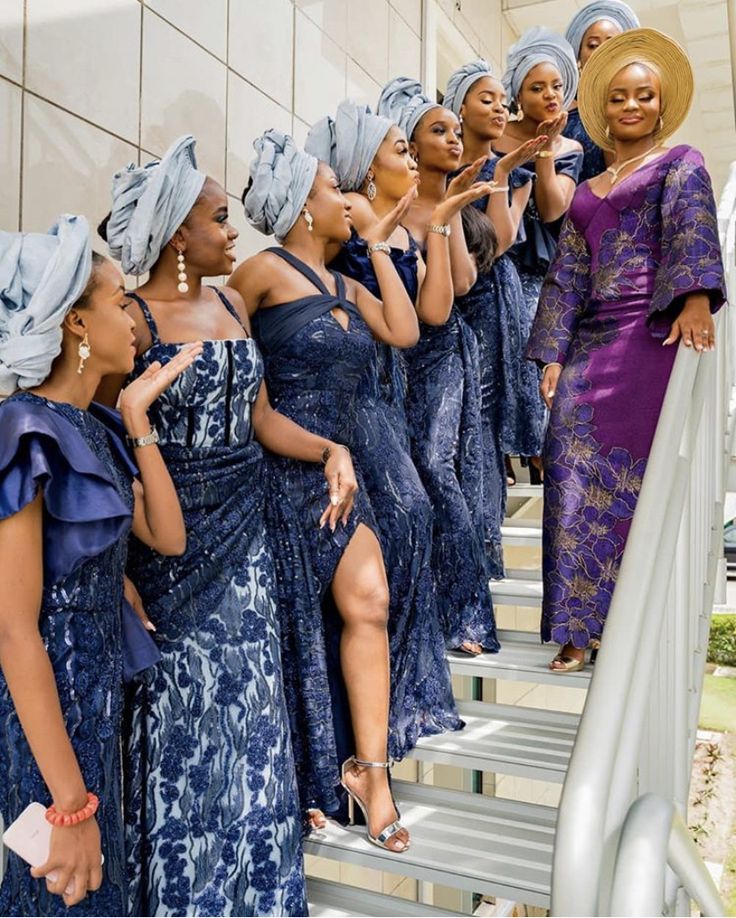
[442, 229]
[379, 247]
[545, 154]
[554, 363]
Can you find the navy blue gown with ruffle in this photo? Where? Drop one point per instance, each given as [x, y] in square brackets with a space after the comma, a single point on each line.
[81, 467]
[212, 812]
[442, 409]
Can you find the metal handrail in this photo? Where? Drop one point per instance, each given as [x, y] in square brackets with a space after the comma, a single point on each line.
[653, 836]
[637, 730]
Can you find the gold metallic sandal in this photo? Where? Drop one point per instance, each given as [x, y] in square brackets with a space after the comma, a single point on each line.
[383, 837]
[569, 664]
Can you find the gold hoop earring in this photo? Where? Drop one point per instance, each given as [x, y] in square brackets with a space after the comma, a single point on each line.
[84, 350]
[608, 132]
[660, 123]
[309, 219]
[370, 190]
[181, 270]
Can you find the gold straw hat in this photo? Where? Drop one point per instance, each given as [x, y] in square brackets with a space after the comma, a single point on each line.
[638, 46]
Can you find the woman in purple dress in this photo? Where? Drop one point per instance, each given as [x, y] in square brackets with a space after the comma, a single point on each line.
[638, 266]
[589, 28]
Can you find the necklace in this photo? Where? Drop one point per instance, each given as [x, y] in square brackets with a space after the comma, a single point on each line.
[615, 171]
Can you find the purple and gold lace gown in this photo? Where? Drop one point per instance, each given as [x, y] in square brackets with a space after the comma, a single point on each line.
[624, 266]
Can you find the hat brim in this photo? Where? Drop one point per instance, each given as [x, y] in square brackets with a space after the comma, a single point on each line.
[637, 46]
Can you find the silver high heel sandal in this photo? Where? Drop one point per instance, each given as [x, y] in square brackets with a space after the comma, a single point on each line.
[390, 830]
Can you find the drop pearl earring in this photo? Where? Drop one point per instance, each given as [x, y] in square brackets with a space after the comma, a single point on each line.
[183, 286]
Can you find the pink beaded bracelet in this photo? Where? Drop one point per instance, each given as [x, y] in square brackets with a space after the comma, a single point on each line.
[73, 819]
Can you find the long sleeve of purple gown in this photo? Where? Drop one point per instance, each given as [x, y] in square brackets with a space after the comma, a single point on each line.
[690, 253]
[563, 299]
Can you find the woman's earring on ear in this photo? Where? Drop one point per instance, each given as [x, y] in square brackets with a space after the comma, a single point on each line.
[182, 286]
[371, 191]
[309, 220]
[519, 113]
[660, 123]
[608, 132]
[84, 351]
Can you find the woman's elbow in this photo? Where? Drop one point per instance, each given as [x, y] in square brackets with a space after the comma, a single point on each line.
[402, 340]
[172, 545]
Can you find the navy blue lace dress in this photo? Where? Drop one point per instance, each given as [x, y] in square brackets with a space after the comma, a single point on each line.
[85, 476]
[313, 366]
[212, 812]
[422, 703]
[316, 372]
[445, 433]
[535, 249]
[495, 309]
[593, 160]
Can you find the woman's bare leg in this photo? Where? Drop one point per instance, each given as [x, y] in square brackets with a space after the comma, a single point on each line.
[360, 591]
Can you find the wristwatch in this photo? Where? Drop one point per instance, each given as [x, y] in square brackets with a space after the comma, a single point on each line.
[149, 440]
[443, 229]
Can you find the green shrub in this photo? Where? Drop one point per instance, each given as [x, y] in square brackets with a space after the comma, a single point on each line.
[722, 641]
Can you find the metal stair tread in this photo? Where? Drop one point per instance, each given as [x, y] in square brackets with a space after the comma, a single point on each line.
[468, 841]
[505, 739]
[521, 658]
[516, 592]
[512, 533]
[522, 489]
[337, 900]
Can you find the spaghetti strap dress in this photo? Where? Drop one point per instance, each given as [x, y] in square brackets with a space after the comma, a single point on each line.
[212, 811]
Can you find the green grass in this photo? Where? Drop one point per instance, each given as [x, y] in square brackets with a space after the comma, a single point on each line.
[718, 705]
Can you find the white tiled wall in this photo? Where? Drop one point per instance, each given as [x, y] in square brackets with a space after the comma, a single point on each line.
[87, 86]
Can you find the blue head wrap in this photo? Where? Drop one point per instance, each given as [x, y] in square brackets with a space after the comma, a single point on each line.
[613, 10]
[281, 179]
[541, 46]
[150, 203]
[42, 275]
[349, 143]
[403, 101]
[460, 82]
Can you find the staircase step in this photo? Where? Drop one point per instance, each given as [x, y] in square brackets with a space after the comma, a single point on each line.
[467, 841]
[522, 659]
[521, 489]
[335, 900]
[505, 739]
[516, 592]
[514, 533]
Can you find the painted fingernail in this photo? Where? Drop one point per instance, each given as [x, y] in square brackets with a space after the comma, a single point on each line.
[334, 500]
[149, 626]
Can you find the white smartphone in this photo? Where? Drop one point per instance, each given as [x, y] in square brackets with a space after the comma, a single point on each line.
[30, 838]
[30, 835]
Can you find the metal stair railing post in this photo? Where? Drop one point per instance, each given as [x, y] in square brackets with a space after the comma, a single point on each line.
[654, 836]
[669, 564]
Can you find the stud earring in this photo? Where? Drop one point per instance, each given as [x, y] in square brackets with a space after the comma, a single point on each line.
[371, 191]
[182, 286]
[84, 351]
[309, 220]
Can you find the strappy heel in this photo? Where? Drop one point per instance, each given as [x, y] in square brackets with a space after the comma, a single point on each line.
[569, 664]
[382, 838]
